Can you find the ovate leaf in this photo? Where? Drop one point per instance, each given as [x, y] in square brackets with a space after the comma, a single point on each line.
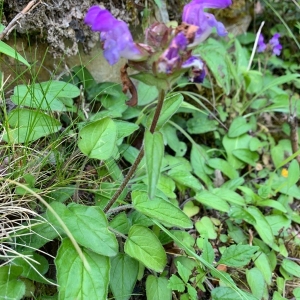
[161, 210]
[238, 255]
[144, 245]
[74, 280]
[11, 287]
[98, 139]
[157, 288]
[123, 275]
[88, 225]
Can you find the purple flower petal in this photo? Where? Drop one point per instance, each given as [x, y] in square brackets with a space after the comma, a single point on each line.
[193, 14]
[197, 65]
[115, 35]
[214, 3]
[261, 45]
[275, 44]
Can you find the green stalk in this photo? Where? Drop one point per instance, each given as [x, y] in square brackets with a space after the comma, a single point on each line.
[161, 97]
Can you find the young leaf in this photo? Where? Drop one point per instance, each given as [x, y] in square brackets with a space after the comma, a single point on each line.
[98, 139]
[183, 272]
[206, 228]
[291, 267]
[161, 210]
[208, 253]
[256, 282]
[293, 173]
[237, 255]
[209, 199]
[123, 275]
[88, 225]
[74, 280]
[262, 263]
[11, 287]
[154, 152]
[176, 284]
[157, 288]
[262, 227]
[238, 127]
[144, 245]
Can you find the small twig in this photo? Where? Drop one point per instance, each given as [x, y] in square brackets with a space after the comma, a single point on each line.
[293, 122]
[133, 168]
[12, 24]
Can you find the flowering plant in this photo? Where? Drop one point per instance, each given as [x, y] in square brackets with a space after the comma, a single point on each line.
[167, 52]
[273, 45]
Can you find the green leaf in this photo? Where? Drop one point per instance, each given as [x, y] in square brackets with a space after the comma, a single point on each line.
[154, 152]
[161, 210]
[256, 282]
[227, 293]
[185, 178]
[151, 80]
[120, 223]
[88, 225]
[34, 267]
[262, 262]
[291, 267]
[98, 139]
[77, 282]
[278, 223]
[11, 287]
[157, 288]
[183, 272]
[33, 97]
[208, 253]
[144, 245]
[7, 50]
[58, 88]
[125, 128]
[176, 284]
[170, 107]
[238, 255]
[262, 227]
[229, 195]
[123, 275]
[240, 213]
[198, 159]
[247, 156]
[238, 127]
[293, 173]
[215, 56]
[224, 167]
[209, 199]
[200, 123]
[232, 144]
[28, 125]
[146, 93]
[206, 228]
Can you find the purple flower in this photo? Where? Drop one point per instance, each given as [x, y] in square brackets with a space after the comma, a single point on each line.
[261, 45]
[115, 35]
[194, 14]
[275, 45]
[171, 58]
[197, 65]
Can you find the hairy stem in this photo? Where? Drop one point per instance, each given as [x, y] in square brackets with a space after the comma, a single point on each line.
[134, 166]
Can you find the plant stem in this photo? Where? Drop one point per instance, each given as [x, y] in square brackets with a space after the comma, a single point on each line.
[161, 97]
